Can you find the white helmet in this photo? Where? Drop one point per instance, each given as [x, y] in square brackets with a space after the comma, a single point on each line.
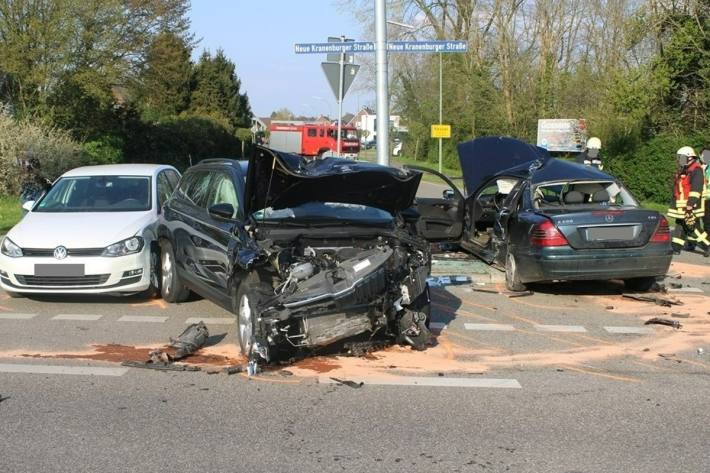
[594, 143]
[687, 151]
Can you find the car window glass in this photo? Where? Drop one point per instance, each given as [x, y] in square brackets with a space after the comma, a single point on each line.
[223, 192]
[164, 188]
[312, 132]
[173, 178]
[197, 189]
[434, 187]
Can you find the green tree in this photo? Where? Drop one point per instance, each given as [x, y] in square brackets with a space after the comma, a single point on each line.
[164, 85]
[216, 92]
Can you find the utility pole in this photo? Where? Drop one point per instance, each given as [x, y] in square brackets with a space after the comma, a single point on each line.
[441, 107]
[383, 108]
[340, 95]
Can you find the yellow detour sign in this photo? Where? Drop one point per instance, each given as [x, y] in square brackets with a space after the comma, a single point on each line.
[441, 131]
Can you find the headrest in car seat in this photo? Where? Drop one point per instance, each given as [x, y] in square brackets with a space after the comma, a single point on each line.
[574, 197]
[600, 196]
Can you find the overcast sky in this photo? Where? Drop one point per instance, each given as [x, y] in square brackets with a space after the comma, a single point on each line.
[258, 35]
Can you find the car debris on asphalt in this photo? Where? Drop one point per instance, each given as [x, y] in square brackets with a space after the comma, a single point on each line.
[187, 343]
[454, 280]
[662, 301]
[349, 383]
[660, 321]
[190, 340]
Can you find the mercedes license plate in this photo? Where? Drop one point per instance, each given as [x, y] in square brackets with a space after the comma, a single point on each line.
[611, 233]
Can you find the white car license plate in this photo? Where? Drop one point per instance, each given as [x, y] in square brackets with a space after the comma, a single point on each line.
[59, 270]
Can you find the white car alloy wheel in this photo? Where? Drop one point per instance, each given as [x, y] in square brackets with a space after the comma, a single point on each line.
[245, 325]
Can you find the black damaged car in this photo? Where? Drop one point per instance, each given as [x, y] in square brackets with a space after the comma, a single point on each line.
[546, 219]
[304, 253]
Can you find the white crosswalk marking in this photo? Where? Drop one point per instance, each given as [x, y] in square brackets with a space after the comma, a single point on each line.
[211, 320]
[561, 328]
[443, 382]
[629, 330]
[143, 318]
[86, 317]
[489, 327]
[17, 316]
[437, 325]
[59, 369]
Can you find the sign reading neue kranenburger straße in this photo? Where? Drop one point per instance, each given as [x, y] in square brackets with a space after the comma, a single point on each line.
[392, 46]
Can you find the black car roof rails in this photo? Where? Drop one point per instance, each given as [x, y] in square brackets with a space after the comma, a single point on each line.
[218, 160]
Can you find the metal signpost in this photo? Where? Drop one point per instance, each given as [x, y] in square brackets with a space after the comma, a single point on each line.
[345, 49]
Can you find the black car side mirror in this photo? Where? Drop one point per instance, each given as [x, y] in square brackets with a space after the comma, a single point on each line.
[448, 194]
[222, 211]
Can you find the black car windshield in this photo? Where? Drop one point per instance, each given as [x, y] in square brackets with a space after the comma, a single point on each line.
[582, 194]
[97, 194]
[326, 212]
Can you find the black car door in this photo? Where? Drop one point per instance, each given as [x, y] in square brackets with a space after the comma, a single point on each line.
[441, 219]
[187, 215]
[220, 230]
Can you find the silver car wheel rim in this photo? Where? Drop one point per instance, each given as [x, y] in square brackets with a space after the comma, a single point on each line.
[245, 323]
[167, 271]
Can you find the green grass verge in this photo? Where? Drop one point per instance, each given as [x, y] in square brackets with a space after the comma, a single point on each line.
[10, 212]
[399, 161]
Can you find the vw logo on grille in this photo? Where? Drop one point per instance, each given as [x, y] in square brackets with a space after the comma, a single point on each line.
[609, 218]
[60, 252]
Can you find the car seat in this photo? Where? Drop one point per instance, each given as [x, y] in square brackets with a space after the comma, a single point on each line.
[574, 197]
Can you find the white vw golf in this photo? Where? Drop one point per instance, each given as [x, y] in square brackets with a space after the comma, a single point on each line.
[92, 232]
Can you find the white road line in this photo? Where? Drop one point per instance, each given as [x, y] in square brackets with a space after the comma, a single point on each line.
[431, 381]
[438, 325]
[58, 369]
[491, 327]
[634, 330]
[561, 328]
[77, 317]
[143, 318]
[17, 316]
[211, 321]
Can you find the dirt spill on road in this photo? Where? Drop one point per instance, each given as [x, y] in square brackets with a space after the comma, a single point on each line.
[690, 270]
[446, 357]
[222, 356]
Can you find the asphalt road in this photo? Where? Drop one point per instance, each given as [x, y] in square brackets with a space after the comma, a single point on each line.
[568, 379]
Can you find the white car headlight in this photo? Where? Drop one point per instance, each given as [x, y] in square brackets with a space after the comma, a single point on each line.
[9, 248]
[128, 246]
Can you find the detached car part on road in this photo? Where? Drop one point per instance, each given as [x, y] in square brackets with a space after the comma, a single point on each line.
[545, 219]
[92, 232]
[304, 253]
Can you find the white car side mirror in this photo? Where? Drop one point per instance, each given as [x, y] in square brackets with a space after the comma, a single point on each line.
[28, 205]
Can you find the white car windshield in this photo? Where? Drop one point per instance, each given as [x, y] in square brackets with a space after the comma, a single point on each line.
[98, 194]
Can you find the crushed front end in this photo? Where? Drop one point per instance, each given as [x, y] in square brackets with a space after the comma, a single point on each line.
[327, 290]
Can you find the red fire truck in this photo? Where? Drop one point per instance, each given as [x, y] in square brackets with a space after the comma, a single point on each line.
[313, 139]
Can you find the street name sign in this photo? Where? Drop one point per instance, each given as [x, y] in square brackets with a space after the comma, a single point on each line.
[352, 47]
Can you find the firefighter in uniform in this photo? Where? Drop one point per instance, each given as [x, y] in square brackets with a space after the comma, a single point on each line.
[689, 205]
[591, 156]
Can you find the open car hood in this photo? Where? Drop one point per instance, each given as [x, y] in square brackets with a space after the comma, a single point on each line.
[282, 180]
[483, 158]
